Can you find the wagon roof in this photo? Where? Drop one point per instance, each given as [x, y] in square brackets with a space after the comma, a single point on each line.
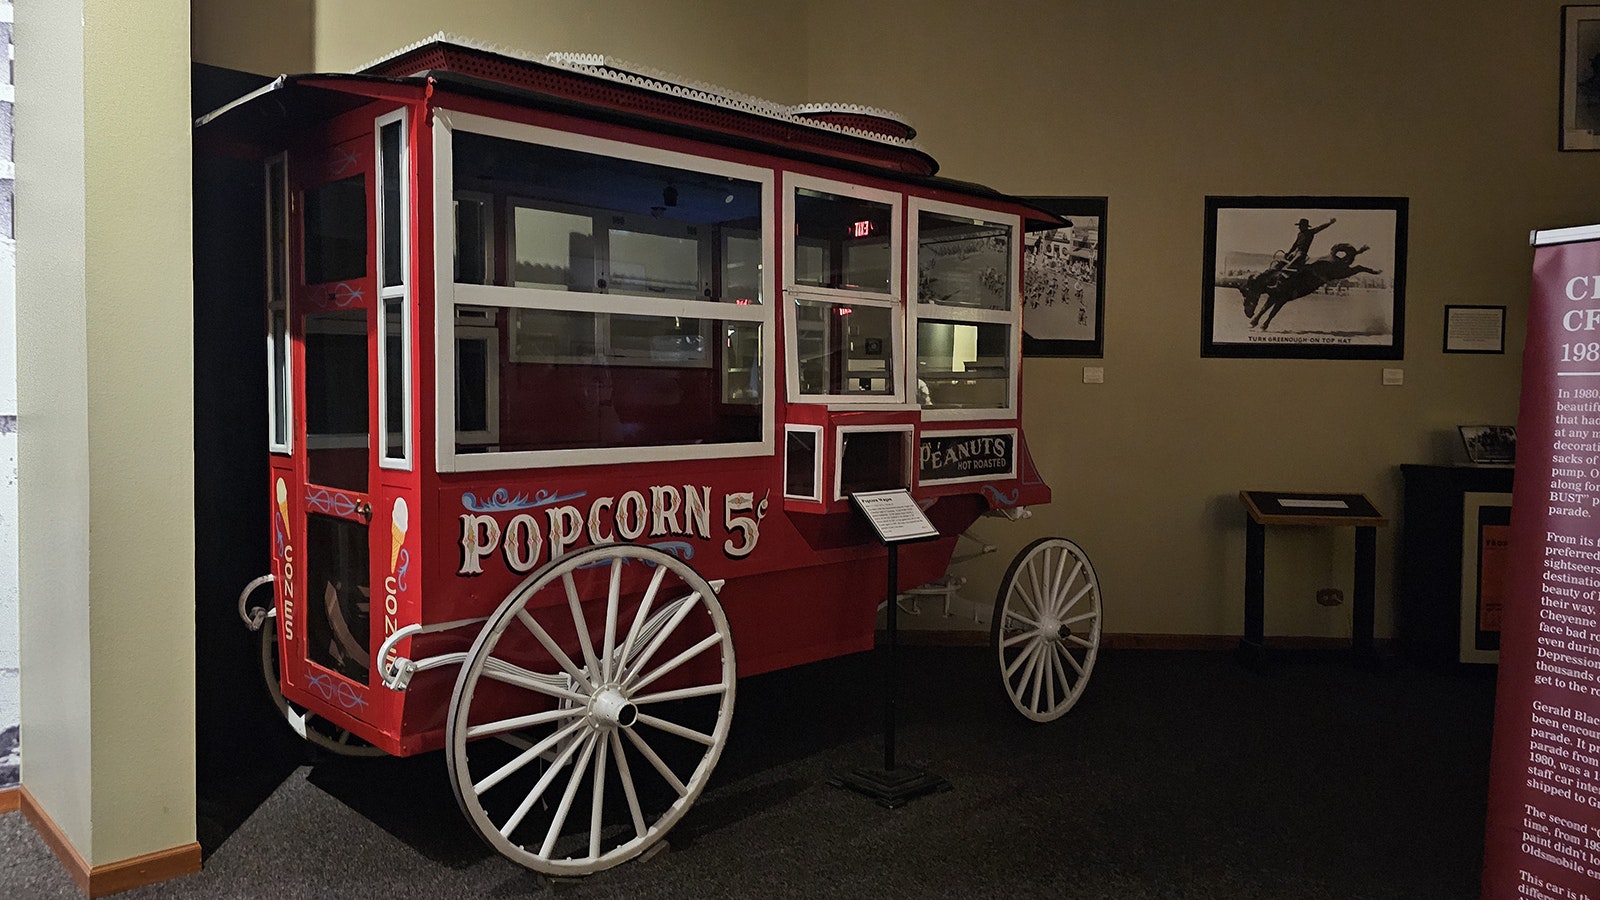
[855, 138]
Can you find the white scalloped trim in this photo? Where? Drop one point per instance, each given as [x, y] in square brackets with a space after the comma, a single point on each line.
[622, 72]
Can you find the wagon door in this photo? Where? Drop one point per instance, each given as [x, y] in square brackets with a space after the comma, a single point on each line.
[335, 307]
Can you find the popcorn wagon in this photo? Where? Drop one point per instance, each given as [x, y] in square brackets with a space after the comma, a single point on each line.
[573, 370]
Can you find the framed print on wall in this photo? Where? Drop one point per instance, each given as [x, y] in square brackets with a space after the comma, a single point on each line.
[1304, 278]
[1580, 78]
[1063, 280]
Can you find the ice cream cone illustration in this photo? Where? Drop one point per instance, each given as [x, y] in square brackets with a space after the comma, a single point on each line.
[283, 507]
[398, 524]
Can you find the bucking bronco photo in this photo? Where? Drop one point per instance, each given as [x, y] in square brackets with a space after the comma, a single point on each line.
[1303, 280]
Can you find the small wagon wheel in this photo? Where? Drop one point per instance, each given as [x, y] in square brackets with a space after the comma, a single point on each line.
[318, 731]
[1046, 627]
[611, 710]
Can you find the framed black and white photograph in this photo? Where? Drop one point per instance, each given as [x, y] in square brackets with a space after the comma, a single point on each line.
[1063, 280]
[1489, 445]
[1304, 278]
[1580, 78]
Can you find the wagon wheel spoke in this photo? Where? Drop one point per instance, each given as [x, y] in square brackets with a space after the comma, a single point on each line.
[572, 703]
[579, 622]
[538, 790]
[613, 596]
[640, 617]
[560, 818]
[704, 690]
[661, 767]
[625, 775]
[525, 757]
[675, 729]
[1046, 628]
[706, 643]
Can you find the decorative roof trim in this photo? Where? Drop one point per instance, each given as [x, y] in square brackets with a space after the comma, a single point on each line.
[622, 72]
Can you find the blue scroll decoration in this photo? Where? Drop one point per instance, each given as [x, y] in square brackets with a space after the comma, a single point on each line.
[335, 690]
[330, 502]
[342, 160]
[993, 493]
[344, 295]
[401, 571]
[502, 500]
[681, 549]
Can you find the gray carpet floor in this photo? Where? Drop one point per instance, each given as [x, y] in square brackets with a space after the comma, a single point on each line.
[1178, 775]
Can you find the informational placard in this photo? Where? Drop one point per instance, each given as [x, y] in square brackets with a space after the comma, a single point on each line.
[1474, 329]
[1543, 834]
[895, 516]
[949, 457]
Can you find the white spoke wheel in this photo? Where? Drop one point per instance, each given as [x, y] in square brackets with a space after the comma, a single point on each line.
[319, 731]
[591, 709]
[1046, 627]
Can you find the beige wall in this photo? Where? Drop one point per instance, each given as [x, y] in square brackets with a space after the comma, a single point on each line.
[1157, 105]
[105, 339]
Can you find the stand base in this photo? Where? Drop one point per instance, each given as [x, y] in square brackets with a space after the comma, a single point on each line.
[891, 788]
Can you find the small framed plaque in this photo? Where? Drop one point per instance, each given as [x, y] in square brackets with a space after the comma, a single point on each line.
[1490, 445]
[895, 516]
[1474, 329]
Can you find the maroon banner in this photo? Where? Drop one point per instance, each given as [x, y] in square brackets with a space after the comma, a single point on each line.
[1543, 834]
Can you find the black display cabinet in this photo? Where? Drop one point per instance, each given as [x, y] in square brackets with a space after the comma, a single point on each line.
[1428, 610]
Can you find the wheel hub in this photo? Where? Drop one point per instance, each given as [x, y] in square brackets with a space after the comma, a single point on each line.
[1053, 629]
[610, 709]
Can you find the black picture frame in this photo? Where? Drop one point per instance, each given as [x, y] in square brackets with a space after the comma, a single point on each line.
[1257, 248]
[1064, 287]
[1460, 335]
[1580, 78]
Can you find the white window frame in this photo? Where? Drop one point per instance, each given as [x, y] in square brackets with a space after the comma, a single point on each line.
[1011, 318]
[401, 292]
[816, 463]
[449, 295]
[279, 382]
[908, 464]
[793, 292]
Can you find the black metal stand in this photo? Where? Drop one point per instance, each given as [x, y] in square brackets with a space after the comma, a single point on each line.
[894, 785]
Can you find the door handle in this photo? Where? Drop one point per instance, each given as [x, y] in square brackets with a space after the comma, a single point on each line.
[364, 510]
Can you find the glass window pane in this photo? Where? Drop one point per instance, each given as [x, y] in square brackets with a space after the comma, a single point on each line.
[336, 399]
[741, 268]
[962, 366]
[393, 212]
[800, 465]
[336, 230]
[474, 260]
[280, 377]
[643, 263]
[552, 250]
[394, 376]
[339, 602]
[844, 349]
[277, 234]
[582, 218]
[842, 230]
[963, 262]
[584, 380]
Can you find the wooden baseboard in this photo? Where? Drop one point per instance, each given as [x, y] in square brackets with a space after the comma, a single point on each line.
[921, 637]
[109, 878]
[10, 799]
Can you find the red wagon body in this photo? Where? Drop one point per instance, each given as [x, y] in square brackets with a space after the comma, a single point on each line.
[521, 308]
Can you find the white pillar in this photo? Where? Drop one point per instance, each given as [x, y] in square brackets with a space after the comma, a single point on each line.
[105, 422]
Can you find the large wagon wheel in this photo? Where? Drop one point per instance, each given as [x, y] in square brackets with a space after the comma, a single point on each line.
[1046, 627]
[317, 730]
[612, 710]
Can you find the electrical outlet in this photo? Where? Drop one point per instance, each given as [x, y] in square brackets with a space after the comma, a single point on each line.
[1094, 374]
[1330, 597]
